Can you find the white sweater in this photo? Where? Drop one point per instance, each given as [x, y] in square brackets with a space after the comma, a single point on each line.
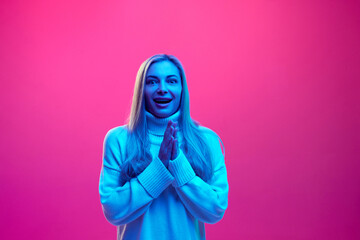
[161, 203]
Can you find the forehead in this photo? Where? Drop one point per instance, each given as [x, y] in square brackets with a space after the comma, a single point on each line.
[163, 69]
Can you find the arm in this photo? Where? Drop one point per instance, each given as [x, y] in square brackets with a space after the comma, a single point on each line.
[206, 201]
[123, 203]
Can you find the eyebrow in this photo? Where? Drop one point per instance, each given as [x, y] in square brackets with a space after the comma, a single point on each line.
[152, 76]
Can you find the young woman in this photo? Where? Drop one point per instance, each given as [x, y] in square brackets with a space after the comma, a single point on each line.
[163, 175]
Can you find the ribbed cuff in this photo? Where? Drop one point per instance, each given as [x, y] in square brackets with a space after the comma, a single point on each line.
[181, 169]
[155, 178]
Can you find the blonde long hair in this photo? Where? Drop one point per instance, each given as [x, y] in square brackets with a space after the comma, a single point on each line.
[138, 147]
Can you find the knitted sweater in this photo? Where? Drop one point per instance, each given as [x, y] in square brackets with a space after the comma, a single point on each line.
[161, 203]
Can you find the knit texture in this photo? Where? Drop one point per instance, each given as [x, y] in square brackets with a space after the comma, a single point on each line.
[157, 126]
[181, 169]
[155, 184]
[161, 203]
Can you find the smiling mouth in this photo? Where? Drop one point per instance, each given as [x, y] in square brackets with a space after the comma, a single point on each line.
[162, 101]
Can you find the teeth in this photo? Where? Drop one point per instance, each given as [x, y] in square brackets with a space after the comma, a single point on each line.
[162, 101]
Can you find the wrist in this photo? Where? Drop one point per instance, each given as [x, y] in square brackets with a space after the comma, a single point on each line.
[166, 163]
[164, 160]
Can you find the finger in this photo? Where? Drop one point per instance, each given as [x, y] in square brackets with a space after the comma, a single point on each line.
[169, 124]
[168, 148]
[175, 132]
[176, 147]
[166, 143]
[174, 151]
[171, 133]
[165, 149]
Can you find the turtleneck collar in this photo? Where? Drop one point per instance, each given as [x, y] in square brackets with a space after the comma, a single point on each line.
[157, 125]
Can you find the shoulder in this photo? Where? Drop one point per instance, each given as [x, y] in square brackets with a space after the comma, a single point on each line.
[214, 142]
[116, 135]
[114, 143]
[208, 133]
[211, 137]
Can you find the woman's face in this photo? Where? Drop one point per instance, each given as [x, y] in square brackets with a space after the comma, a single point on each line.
[163, 89]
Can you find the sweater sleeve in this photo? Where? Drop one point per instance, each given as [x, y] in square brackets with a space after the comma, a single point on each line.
[122, 204]
[206, 201]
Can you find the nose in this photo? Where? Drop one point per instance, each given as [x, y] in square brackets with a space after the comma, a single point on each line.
[162, 89]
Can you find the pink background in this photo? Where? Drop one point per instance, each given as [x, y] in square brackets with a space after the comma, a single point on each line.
[277, 80]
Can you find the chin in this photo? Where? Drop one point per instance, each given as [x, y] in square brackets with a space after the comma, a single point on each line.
[163, 114]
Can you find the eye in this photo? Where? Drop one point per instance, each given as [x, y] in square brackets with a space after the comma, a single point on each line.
[172, 80]
[151, 82]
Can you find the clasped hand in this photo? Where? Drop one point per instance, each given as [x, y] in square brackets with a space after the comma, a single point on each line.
[169, 147]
